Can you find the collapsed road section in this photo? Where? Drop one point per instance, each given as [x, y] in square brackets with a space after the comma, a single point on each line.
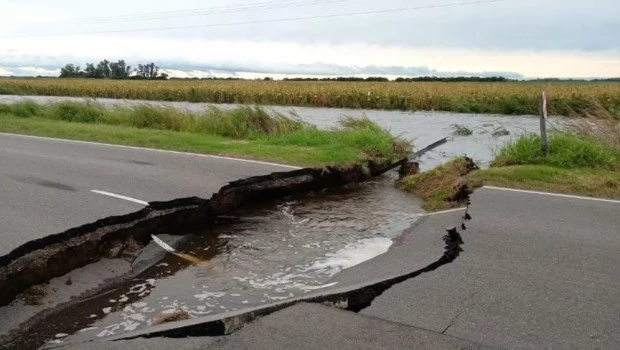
[27, 271]
[41, 260]
[352, 298]
[26, 268]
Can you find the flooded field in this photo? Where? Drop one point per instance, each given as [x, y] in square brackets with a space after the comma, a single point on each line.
[277, 251]
[488, 132]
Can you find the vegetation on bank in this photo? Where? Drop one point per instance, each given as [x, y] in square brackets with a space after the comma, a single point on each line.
[442, 187]
[510, 98]
[243, 132]
[582, 163]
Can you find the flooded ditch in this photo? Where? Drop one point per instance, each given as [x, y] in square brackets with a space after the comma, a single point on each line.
[251, 256]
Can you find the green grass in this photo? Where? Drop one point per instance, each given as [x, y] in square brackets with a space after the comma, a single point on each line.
[243, 132]
[4, 90]
[565, 151]
[576, 164]
[580, 181]
[240, 123]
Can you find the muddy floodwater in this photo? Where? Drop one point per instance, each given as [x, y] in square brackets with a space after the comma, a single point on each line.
[280, 250]
[488, 132]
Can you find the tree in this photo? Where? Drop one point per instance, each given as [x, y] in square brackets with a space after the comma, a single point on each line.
[119, 70]
[103, 69]
[147, 71]
[70, 71]
[90, 71]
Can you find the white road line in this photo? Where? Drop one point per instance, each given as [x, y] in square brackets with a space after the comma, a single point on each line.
[445, 212]
[109, 194]
[553, 194]
[152, 149]
[163, 244]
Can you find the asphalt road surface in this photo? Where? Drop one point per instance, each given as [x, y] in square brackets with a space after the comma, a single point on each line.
[48, 186]
[537, 272]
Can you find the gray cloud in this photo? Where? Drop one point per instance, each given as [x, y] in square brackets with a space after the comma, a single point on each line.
[334, 69]
[319, 69]
[512, 24]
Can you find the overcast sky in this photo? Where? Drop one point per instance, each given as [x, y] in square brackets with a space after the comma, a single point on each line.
[514, 38]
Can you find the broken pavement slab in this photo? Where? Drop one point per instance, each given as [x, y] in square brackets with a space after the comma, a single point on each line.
[352, 294]
[153, 252]
[306, 327]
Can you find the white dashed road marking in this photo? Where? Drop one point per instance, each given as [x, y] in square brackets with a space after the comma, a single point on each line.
[129, 199]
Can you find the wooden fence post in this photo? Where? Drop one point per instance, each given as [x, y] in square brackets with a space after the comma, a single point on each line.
[543, 123]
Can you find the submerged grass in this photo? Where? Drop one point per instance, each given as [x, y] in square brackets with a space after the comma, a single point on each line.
[243, 132]
[461, 130]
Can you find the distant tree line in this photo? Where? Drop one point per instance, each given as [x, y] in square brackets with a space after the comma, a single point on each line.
[357, 79]
[339, 79]
[401, 79]
[112, 70]
[455, 79]
[207, 78]
[576, 80]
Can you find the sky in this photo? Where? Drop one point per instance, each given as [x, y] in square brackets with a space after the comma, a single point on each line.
[279, 38]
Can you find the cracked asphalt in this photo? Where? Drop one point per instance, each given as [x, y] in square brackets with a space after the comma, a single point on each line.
[47, 184]
[537, 271]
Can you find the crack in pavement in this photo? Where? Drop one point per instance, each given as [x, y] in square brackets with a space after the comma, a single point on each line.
[462, 310]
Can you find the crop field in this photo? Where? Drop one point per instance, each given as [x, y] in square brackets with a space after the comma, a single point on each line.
[512, 98]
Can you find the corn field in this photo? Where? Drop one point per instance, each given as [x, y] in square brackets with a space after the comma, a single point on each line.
[565, 98]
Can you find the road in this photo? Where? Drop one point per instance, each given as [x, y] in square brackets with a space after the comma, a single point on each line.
[47, 184]
[537, 271]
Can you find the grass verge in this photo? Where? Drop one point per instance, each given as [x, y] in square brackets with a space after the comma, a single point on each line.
[244, 132]
[578, 181]
[576, 164]
[565, 151]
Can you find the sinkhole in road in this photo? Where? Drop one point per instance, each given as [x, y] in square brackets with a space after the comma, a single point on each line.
[280, 249]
